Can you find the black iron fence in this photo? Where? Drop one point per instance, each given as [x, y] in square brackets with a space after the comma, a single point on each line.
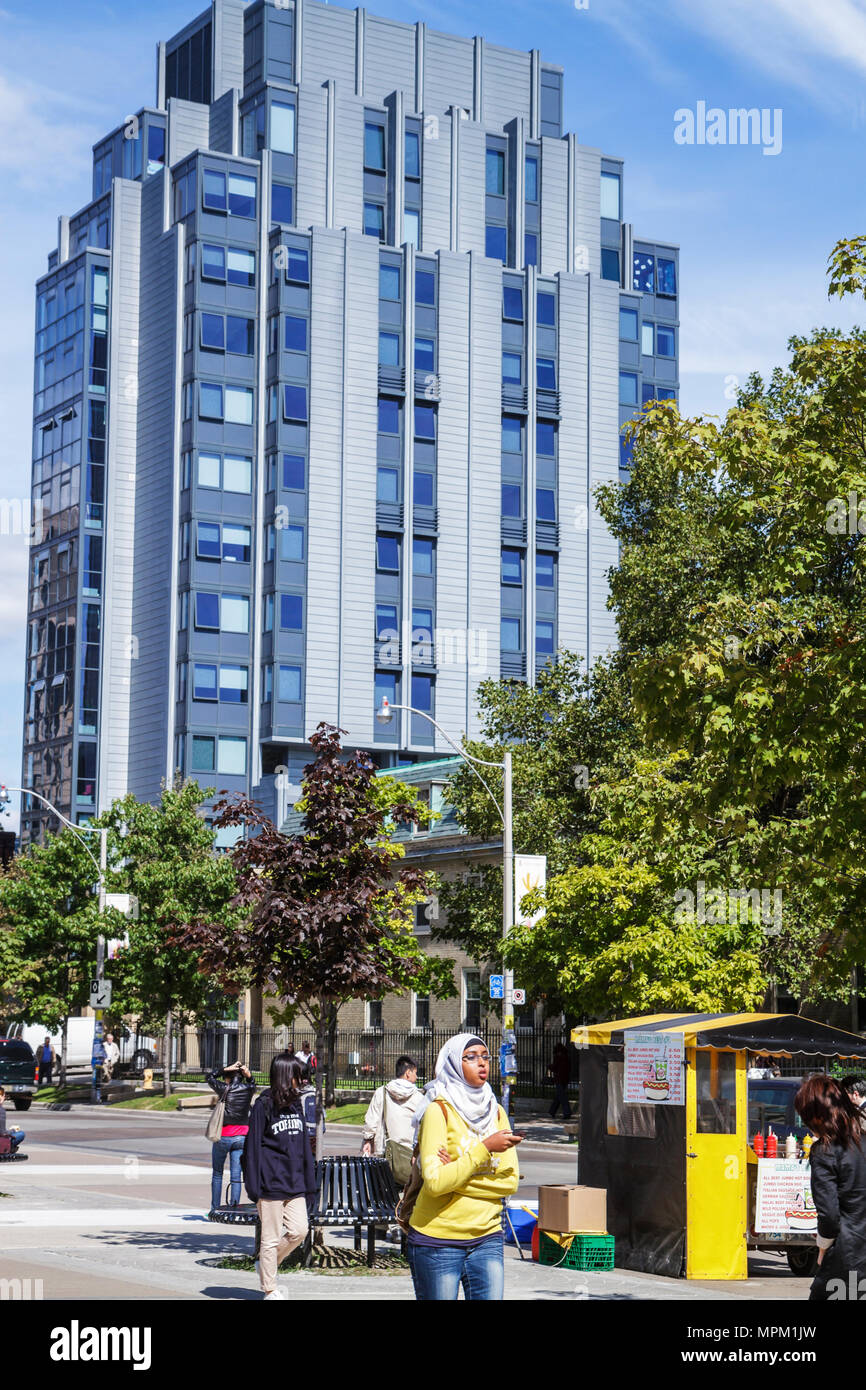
[364, 1058]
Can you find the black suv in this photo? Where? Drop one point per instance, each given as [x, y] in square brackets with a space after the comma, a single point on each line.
[19, 1072]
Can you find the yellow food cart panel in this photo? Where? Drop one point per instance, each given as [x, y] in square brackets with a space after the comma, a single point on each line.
[716, 1164]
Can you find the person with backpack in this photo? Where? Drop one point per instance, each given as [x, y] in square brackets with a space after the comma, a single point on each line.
[463, 1168]
[388, 1123]
[279, 1170]
[236, 1090]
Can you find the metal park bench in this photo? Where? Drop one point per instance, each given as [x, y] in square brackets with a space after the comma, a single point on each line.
[351, 1190]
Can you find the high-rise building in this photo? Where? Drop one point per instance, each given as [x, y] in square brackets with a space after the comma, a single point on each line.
[326, 375]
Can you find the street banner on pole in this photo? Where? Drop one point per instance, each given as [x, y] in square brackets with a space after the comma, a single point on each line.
[530, 871]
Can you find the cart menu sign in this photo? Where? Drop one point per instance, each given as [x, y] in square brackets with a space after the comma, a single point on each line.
[653, 1073]
[784, 1197]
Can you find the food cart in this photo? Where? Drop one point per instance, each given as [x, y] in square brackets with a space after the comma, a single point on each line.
[664, 1129]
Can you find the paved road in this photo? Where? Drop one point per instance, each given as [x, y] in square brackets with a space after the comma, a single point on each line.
[112, 1205]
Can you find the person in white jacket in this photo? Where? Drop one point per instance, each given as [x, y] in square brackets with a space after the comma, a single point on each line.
[391, 1111]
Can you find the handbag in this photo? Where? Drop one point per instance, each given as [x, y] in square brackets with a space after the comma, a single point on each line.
[214, 1129]
[399, 1159]
[406, 1205]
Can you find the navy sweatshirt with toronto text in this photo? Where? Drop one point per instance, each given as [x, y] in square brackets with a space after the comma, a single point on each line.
[277, 1159]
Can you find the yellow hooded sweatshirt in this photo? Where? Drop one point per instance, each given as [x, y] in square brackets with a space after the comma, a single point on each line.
[461, 1200]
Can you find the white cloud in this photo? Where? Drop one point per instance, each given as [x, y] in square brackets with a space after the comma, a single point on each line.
[44, 138]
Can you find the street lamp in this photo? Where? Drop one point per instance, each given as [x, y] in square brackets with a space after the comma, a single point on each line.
[384, 716]
[101, 868]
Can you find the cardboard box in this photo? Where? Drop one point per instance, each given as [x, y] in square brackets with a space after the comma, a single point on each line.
[572, 1208]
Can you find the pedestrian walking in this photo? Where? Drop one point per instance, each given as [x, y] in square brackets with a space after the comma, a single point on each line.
[112, 1057]
[47, 1058]
[306, 1057]
[560, 1070]
[856, 1088]
[389, 1130]
[235, 1088]
[308, 1105]
[838, 1181]
[279, 1171]
[465, 1152]
[13, 1133]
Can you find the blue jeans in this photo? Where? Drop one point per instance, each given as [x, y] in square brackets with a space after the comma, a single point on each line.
[439, 1270]
[17, 1136]
[231, 1149]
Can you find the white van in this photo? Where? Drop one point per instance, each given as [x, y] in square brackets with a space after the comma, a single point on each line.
[79, 1041]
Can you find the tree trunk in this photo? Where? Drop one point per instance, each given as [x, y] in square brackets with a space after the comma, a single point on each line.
[320, 1105]
[331, 1074]
[166, 1066]
[63, 1051]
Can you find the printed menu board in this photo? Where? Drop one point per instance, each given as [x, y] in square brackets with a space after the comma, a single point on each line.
[653, 1073]
[784, 1197]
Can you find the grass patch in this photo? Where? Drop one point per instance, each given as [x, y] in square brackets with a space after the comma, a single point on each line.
[347, 1114]
[327, 1259]
[155, 1102]
[48, 1095]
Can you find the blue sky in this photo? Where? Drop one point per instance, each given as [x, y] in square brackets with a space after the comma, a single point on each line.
[755, 230]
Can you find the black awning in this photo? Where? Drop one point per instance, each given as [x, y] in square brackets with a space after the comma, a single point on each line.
[784, 1033]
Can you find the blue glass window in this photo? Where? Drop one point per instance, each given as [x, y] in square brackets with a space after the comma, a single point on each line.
[545, 504]
[240, 336]
[422, 693]
[422, 624]
[423, 489]
[282, 203]
[386, 689]
[213, 262]
[512, 567]
[495, 172]
[386, 622]
[610, 196]
[647, 392]
[627, 388]
[512, 302]
[211, 407]
[545, 438]
[626, 449]
[425, 287]
[531, 179]
[512, 434]
[545, 373]
[294, 471]
[425, 421]
[214, 191]
[389, 282]
[295, 403]
[512, 370]
[544, 639]
[291, 612]
[204, 682]
[511, 499]
[665, 342]
[207, 541]
[422, 556]
[509, 635]
[374, 220]
[667, 277]
[236, 543]
[644, 272]
[296, 335]
[234, 685]
[388, 554]
[530, 248]
[202, 753]
[665, 393]
[240, 267]
[389, 350]
[546, 304]
[413, 155]
[207, 612]
[544, 570]
[289, 686]
[609, 264]
[374, 146]
[389, 415]
[628, 325]
[242, 196]
[213, 334]
[298, 264]
[291, 542]
[496, 243]
[424, 355]
[387, 485]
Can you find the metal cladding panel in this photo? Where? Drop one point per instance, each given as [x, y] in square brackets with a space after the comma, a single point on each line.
[222, 123]
[587, 213]
[554, 206]
[328, 45]
[470, 210]
[448, 72]
[389, 60]
[604, 454]
[228, 47]
[436, 186]
[452, 467]
[485, 476]
[349, 163]
[506, 85]
[188, 129]
[154, 608]
[117, 662]
[313, 163]
[357, 590]
[325, 480]
[574, 501]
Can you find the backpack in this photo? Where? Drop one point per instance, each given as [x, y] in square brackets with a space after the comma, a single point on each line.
[406, 1205]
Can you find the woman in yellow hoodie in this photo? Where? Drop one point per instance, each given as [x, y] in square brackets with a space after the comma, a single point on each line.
[468, 1163]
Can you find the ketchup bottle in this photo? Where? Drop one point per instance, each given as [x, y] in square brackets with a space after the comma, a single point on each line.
[759, 1145]
[772, 1145]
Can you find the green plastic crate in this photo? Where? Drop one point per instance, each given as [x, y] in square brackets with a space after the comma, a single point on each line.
[585, 1252]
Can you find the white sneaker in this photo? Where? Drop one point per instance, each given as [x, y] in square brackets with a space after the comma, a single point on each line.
[279, 1294]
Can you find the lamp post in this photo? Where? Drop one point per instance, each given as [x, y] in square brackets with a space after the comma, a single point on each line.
[101, 868]
[384, 716]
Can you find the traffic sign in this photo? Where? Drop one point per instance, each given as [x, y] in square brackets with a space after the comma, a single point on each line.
[497, 986]
[519, 996]
[100, 994]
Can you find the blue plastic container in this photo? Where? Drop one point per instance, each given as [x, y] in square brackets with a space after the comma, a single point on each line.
[524, 1223]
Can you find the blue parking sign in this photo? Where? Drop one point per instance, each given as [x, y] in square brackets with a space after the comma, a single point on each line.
[497, 986]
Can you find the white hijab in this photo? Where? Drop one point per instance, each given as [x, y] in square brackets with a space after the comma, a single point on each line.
[476, 1105]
